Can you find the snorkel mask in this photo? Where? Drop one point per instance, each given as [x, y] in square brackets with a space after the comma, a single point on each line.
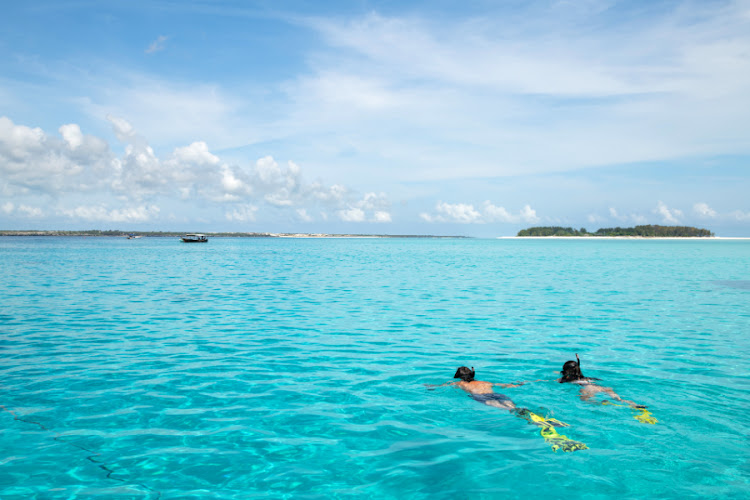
[572, 370]
[465, 374]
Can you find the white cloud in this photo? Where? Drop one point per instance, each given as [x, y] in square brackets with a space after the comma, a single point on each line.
[28, 211]
[740, 215]
[668, 215]
[101, 213]
[381, 216]
[376, 204]
[18, 142]
[157, 44]
[231, 183]
[31, 161]
[303, 215]
[457, 212]
[72, 135]
[703, 210]
[8, 208]
[197, 154]
[242, 213]
[352, 215]
[467, 214]
[629, 87]
[123, 129]
[494, 213]
[77, 167]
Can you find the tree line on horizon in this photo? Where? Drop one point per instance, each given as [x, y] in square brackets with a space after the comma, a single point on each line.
[648, 231]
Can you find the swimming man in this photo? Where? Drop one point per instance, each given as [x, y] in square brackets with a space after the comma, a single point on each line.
[480, 390]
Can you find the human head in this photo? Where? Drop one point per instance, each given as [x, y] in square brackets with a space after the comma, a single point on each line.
[571, 370]
[465, 374]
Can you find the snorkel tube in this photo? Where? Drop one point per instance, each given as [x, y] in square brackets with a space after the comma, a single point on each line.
[571, 371]
[465, 374]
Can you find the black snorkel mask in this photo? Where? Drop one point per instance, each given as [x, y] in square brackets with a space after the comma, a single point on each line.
[572, 370]
[465, 374]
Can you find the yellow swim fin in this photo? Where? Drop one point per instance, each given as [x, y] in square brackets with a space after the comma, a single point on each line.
[561, 442]
[556, 440]
[645, 417]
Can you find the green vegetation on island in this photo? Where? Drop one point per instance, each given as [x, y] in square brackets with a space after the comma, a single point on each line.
[649, 231]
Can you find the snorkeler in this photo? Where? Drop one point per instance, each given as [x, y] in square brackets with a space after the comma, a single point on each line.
[482, 391]
[572, 374]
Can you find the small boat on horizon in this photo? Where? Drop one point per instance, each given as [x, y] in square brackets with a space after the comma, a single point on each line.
[195, 238]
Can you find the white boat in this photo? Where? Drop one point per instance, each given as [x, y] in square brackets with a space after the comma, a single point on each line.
[195, 238]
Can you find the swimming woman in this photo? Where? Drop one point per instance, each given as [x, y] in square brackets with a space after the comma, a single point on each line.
[572, 374]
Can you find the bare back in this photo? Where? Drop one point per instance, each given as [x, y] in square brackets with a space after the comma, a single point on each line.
[476, 387]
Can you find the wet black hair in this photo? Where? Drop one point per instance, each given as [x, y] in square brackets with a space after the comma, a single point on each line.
[571, 371]
[465, 374]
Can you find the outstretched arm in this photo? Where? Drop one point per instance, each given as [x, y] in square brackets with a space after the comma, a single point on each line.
[432, 387]
[519, 384]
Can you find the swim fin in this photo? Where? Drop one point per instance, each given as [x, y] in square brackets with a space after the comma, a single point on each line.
[559, 441]
[643, 417]
[556, 440]
[538, 419]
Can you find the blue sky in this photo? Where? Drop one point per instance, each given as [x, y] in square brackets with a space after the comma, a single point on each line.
[478, 118]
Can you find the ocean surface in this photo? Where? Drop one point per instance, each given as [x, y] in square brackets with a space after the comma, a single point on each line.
[296, 368]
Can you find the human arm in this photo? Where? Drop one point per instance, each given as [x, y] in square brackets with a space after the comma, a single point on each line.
[431, 387]
[519, 384]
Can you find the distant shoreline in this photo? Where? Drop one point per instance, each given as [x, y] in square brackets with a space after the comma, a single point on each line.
[170, 234]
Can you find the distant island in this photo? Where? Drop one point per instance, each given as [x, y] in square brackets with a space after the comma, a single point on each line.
[649, 231]
[173, 234]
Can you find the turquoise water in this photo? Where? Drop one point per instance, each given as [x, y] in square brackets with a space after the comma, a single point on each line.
[294, 368]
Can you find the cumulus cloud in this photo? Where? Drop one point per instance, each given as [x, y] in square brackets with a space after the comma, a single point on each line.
[380, 216]
[104, 214]
[464, 213]
[494, 213]
[9, 208]
[72, 135]
[703, 210]
[30, 211]
[76, 166]
[242, 213]
[195, 154]
[374, 204]
[668, 215]
[32, 161]
[352, 215]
